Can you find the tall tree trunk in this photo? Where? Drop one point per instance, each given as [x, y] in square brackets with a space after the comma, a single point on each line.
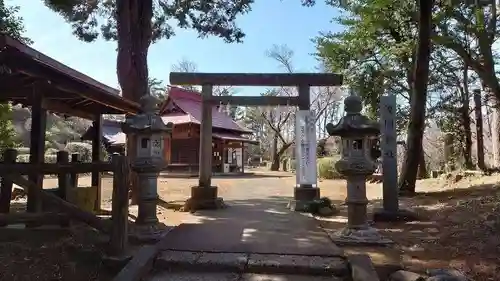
[465, 116]
[134, 37]
[418, 100]
[275, 165]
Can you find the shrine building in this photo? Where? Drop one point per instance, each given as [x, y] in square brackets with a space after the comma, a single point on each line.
[183, 109]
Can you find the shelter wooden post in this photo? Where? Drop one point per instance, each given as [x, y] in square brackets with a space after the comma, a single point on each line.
[118, 240]
[97, 157]
[9, 156]
[73, 177]
[63, 178]
[479, 129]
[224, 153]
[243, 158]
[63, 181]
[37, 146]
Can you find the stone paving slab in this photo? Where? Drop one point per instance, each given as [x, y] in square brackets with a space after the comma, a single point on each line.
[177, 260]
[223, 261]
[293, 264]
[204, 276]
[264, 229]
[251, 263]
[276, 277]
[195, 276]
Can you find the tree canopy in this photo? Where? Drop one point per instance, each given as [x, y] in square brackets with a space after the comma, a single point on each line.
[90, 19]
[378, 52]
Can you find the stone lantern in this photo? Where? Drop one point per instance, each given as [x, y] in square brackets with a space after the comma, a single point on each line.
[356, 164]
[150, 131]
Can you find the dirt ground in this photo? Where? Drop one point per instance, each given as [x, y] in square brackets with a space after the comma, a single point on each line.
[461, 227]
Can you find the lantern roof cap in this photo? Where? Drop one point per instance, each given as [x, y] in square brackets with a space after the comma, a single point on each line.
[353, 123]
[149, 103]
[147, 121]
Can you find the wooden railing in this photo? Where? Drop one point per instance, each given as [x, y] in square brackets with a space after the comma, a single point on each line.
[13, 173]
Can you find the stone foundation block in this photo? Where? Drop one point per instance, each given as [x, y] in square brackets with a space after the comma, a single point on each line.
[203, 198]
[401, 215]
[302, 196]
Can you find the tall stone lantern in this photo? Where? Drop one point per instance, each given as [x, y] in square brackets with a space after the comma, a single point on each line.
[150, 131]
[356, 164]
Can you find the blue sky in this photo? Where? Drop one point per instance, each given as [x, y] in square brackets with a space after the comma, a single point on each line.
[270, 22]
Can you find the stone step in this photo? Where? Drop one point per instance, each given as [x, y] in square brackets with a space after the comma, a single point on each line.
[218, 276]
[178, 261]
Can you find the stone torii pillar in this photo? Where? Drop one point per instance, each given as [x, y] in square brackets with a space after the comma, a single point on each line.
[204, 196]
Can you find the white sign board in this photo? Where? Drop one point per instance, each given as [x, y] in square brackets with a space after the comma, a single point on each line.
[305, 145]
[230, 156]
[239, 157]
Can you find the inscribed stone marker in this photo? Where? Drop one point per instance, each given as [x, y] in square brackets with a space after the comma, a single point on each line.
[389, 152]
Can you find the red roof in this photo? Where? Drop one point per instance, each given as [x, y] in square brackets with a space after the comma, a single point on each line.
[233, 137]
[178, 118]
[190, 103]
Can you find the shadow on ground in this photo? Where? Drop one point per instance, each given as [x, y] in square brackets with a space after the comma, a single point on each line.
[229, 176]
[460, 228]
[254, 226]
[52, 254]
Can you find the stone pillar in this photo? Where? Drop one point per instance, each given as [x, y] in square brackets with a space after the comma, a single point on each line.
[306, 189]
[147, 197]
[206, 139]
[204, 196]
[495, 132]
[356, 202]
[389, 152]
[388, 145]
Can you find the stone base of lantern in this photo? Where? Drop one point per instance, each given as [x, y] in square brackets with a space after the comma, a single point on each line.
[360, 236]
[401, 215]
[302, 197]
[116, 261]
[148, 233]
[203, 198]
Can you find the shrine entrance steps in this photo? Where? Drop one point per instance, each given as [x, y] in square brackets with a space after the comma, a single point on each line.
[252, 240]
[184, 265]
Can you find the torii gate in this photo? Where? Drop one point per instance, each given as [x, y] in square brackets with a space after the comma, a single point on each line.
[204, 196]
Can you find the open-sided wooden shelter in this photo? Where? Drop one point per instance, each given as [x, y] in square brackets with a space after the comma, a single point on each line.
[113, 138]
[33, 79]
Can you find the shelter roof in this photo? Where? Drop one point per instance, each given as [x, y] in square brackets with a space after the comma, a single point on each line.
[111, 132]
[26, 74]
